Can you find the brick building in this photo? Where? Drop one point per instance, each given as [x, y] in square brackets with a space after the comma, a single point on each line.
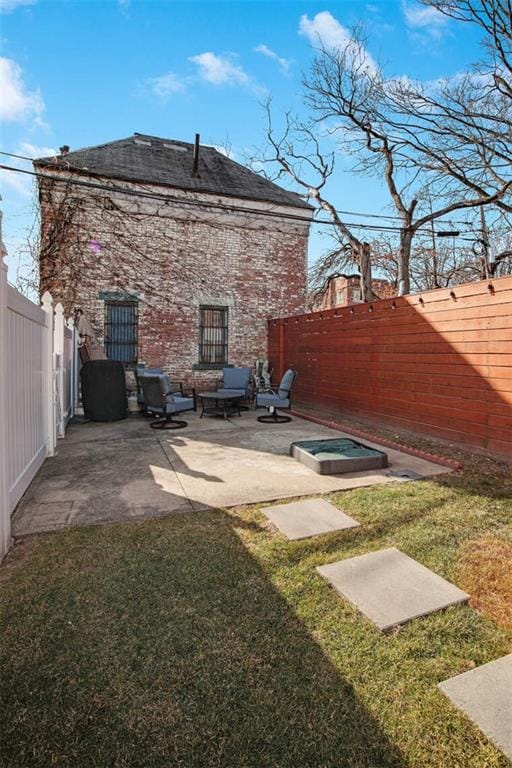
[177, 254]
[344, 291]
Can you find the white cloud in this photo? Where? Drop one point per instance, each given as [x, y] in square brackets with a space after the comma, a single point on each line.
[35, 150]
[425, 18]
[219, 70]
[17, 182]
[266, 51]
[6, 6]
[227, 151]
[165, 85]
[17, 103]
[20, 183]
[326, 31]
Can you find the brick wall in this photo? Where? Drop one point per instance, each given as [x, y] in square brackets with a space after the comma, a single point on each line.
[439, 363]
[174, 259]
[343, 291]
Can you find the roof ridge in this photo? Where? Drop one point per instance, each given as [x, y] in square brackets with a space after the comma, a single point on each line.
[202, 146]
[86, 149]
[162, 138]
[131, 138]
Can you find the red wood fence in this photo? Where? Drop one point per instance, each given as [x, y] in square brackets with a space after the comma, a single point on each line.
[438, 363]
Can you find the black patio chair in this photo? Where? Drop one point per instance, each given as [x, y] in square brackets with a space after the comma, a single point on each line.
[158, 401]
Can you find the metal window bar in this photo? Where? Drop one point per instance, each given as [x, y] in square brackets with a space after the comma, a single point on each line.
[213, 335]
[121, 330]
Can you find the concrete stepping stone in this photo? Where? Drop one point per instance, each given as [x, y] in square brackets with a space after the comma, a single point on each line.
[484, 694]
[310, 517]
[391, 588]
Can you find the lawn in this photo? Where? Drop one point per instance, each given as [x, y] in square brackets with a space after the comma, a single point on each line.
[207, 639]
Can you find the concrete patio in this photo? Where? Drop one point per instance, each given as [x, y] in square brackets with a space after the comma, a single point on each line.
[111, 472]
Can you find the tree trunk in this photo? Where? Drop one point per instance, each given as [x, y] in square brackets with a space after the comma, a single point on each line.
[404, 276]
[365, 267]
[486, 272]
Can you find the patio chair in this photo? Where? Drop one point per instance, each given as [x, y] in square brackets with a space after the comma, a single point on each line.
[236, 381]
[158, 401]
[171, 388]
[282, 400]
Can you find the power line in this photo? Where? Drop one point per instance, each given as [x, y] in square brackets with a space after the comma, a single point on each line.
[389, 217]
[197, 204]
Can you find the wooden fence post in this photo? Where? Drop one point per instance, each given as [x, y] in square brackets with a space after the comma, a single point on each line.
[5, 512]
[48, 376]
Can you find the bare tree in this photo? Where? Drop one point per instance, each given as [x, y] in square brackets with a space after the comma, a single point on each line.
[370, 118]
[26, 256]
[462, 127]
[298, 154]
[409, 136]
[432, 265]
[494, 18]
[438, 263]
[479, 254]
[440, 266]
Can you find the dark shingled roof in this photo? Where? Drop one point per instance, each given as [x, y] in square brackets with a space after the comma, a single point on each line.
[154, 160]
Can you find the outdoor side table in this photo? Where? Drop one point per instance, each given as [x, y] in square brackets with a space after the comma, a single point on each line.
[219, 404]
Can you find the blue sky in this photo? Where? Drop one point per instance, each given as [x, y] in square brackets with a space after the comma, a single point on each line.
[81, 73]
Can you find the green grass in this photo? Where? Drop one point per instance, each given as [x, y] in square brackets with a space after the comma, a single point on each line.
[209, 640]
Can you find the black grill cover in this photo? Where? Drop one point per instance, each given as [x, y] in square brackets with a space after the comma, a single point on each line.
[103, 390]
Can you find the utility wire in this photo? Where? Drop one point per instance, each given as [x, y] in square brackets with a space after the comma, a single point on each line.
[185, 202]
[390, 217]
[199, 204]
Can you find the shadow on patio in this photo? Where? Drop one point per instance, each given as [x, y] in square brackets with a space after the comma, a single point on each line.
[106, 473]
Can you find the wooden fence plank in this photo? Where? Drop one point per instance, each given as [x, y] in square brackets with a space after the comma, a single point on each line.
[442, 366]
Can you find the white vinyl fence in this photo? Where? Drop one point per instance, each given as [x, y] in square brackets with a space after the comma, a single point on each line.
[38, 364]
[65, 367]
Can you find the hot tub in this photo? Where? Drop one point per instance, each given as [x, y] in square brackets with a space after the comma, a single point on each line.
[338, 456]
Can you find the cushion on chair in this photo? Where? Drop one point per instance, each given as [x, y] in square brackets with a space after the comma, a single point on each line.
[235, 392]
[177, 404]
[236, 378]
[266, 399]
[286, 384]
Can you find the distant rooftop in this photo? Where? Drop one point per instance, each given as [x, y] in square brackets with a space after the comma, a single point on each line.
[153, 160]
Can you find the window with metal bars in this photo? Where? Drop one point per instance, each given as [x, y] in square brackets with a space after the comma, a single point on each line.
[121, 330]
[213, 335]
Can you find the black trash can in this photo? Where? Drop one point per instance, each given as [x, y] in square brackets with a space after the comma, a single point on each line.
[104, 390]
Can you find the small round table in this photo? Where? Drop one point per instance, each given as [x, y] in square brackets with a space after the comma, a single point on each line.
[219, 404]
